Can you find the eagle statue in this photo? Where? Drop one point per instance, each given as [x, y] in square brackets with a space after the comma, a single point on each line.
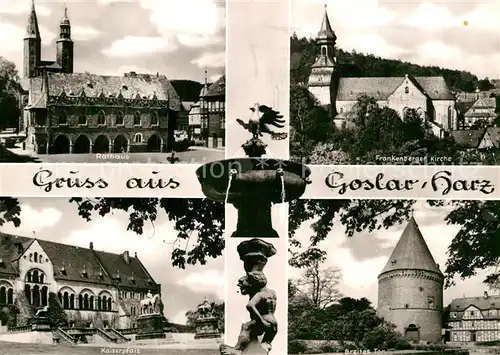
[261, 120]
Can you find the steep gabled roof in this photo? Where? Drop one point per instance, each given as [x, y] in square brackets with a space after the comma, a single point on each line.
[481, 303]
[11, 248]
[217, 89]
[380, 88]
[32, 30]
[411, 252]
[468, 138]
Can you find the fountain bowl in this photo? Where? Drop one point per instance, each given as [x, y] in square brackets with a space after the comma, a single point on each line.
[254, 178]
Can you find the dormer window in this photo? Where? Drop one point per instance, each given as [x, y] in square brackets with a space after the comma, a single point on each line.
[124, 87]
[63, 270]
[89, 84]
[100, 275]
[84, 272]
[2, 264]
[393, 261]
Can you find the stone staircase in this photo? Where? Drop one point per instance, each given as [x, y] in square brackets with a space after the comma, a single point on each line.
[119, 336]
[61, 334]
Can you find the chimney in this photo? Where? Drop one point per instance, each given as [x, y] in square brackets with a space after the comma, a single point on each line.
[91, 246]
[126, 257]
[485, 295]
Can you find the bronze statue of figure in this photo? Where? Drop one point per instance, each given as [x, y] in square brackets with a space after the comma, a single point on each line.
[261, 307]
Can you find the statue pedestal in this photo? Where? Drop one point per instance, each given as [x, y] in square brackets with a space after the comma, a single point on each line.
[254, 348]
[206, 328]
[41, 324]
[150, 326]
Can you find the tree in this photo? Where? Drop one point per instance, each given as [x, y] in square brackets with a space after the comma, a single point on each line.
[9, 94]
[479, 124]
[56, 315]
[318, 286]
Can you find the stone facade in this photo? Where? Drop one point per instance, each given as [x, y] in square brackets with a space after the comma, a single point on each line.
[95, 289]
[428, 95]
[410, 292]
[474, 319]
[66, 112]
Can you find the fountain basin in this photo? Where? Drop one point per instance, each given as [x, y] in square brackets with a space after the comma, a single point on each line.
[254, 178]
[252, 185]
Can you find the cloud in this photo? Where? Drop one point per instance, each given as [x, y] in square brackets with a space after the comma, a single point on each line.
[47, 36]
[484, 17]
[180, 16]
[205, 281]
[18, 7]
[198, 40]
[179, 317]
[127, 69]
[11, 38]
[34, 220]
[431, 17]
[132, 46]
[82, 33]
[210, 60]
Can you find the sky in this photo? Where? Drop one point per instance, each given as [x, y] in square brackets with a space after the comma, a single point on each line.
[362, 257]
[461, 35]
[176, 38]
[57, 220]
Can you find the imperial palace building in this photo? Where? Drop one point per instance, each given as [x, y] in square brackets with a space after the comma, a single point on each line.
[96, 289]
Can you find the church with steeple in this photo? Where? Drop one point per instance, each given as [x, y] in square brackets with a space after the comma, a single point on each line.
[410, 288]
[66, 112]
[429, 96]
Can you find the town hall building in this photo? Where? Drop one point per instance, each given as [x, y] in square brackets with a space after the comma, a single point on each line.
[96, 289]
[430, 96]
[67, 112]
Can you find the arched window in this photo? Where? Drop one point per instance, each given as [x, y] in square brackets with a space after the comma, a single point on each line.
[86, 301]
[40, 258]
[28, 277]
[63, 119]
[104, 303]
[119, 118]
[36, 296]
[31, 257]
[72, 301]
[138, 138]
[323, 50]
[407, 90]
[41, 278]
[35, 276]
[137, 119]
[60, 296]
[10, 296]
[65, 302]
[35, 257]
[99, 305]
[3, 295]
[154, 119]
[27, 291]
[80, 301]
[91, 303]
[109, 304]
[101, 118]
[82, 120]
[45, 296]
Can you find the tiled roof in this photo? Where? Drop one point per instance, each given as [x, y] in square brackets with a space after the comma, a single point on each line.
[486, 102]
[129, 86]
[463, 106]
[218, 88]
[186, 105]
[468, 138]
[411, 252]
[10, 245]
[380, 88]
[72, 263]
[481, 303]
[494, 133]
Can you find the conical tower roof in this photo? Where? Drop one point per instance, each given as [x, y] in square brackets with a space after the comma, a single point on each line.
[32, 30]
[411, 252]
[326, 32]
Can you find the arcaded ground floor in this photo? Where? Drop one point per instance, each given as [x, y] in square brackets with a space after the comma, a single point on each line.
[63, 349]
[194, 155]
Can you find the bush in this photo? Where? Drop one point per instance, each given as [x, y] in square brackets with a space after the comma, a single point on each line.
[296, 347]
[56, 315]
[330, 349]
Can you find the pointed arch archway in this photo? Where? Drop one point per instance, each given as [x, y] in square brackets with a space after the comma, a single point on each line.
[154, 143]
[120, 144]
[82, 145]
[61, 144]
[101, 144]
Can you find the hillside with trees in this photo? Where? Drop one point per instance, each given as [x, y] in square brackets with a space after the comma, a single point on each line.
[352, 64]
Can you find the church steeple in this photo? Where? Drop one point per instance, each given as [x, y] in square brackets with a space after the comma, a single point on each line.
[326, 40]
[64, 56]
[32, 44]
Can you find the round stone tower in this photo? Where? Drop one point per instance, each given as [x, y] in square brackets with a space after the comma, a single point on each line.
[410, 288]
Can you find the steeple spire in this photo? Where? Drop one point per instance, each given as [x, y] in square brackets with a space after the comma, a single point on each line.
[325, 31]
[65, 19]
[206, 76]
[32, 30]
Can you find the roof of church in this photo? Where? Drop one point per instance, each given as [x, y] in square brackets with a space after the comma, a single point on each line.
[32, 30]
[70, 261]
[325, 31]
[380, 88]
[217, 89]
[411, 252]
[129, 86]
[481, 303]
